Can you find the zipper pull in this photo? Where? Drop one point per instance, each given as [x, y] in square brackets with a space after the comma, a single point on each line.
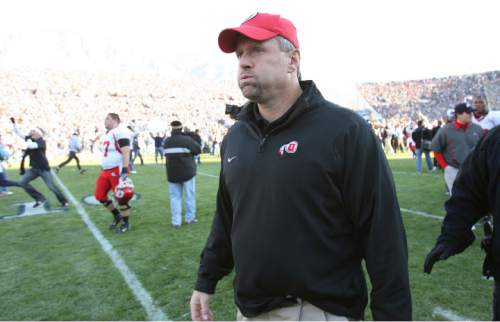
[261, 145]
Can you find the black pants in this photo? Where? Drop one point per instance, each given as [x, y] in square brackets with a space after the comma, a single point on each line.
[136, 153]
[6, 183]
[72, 155]
[31, 175]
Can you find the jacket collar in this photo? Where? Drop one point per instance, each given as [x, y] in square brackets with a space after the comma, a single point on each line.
[309, 99]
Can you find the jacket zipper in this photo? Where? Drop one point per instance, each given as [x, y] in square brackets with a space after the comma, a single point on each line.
[262, 142]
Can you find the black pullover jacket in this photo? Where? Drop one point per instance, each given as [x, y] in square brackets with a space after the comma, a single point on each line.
[476, 192]
[38, 159]
[179, 150]
[299, 208]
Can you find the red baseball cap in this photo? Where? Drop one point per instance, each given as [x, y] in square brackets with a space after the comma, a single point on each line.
[260, 27]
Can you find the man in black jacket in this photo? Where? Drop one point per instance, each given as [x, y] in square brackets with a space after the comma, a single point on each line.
[179, 152]
[39, 167]
[422, 136]
[475, 193]
[305, 194]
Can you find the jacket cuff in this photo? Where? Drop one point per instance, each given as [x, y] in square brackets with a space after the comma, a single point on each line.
[205, 286]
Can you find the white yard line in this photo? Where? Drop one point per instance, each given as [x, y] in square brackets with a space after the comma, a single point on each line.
[449, 315]
[421, 213]
[414, 174]
[12, 217]
[140, 293]
[208, 175]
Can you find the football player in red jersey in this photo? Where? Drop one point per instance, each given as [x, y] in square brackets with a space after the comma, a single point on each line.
[115, 156]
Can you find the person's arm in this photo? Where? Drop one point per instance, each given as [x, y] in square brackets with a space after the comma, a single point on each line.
[124, 144]
[468, 203]
[16, 129]
[31, 145]
[216, 258]
[371, 201]
[440, 159]
[438, 145]
[194, 146]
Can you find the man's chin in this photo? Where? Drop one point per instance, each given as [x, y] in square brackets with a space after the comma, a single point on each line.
[250, 93]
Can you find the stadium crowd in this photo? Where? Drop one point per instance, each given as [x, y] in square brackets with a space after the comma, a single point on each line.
[410, 100]
[403, 104]
[62, 102]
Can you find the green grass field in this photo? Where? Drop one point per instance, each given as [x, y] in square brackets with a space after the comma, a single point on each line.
[52, 267]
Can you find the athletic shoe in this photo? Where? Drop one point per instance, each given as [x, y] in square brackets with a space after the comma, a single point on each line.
[192, 221]
[133, 171]
[176, 226]
[115, 223]
[65, 205]
[39, 203]
[82, 171]
[123, 228]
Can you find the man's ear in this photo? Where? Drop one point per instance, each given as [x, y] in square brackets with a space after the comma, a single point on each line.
[294, 61]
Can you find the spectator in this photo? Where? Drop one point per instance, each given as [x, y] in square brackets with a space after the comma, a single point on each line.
[179, 152]
[453, 143]
[422, 137]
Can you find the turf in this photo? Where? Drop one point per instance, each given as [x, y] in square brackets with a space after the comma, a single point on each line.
[52, 268]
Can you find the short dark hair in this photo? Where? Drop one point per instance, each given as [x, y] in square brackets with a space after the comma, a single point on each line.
[176, 124]
[114, 116]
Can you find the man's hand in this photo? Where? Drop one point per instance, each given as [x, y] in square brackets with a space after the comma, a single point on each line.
[13, 120]
[440, 252]
[199, 307]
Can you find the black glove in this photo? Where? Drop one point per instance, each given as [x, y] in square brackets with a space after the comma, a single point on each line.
[440, 252]
[13, 120]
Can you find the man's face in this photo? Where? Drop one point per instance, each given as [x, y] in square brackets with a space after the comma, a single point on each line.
[34, 135]
[479, 104]
[464, 117]
[110, 123]
[262, 68]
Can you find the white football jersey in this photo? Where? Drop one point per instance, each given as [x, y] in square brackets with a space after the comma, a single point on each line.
[111, 153]
[488, 121]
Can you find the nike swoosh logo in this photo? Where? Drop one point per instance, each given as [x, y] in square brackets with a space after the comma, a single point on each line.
[231, 159]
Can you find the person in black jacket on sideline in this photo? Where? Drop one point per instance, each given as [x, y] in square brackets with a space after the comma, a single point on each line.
[180, 150]
[305, 195]
[475, 193]
[422, 137]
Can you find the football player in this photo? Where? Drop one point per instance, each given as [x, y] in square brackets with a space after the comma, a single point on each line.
[482, 116]
[115, 156]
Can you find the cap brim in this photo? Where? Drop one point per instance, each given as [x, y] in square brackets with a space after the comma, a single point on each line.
[228, 37]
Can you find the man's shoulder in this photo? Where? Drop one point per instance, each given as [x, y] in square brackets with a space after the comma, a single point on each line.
[343, 116]
[118, 132]
[476, 127]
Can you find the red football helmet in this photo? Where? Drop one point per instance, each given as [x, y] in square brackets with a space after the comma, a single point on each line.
[124, 191]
